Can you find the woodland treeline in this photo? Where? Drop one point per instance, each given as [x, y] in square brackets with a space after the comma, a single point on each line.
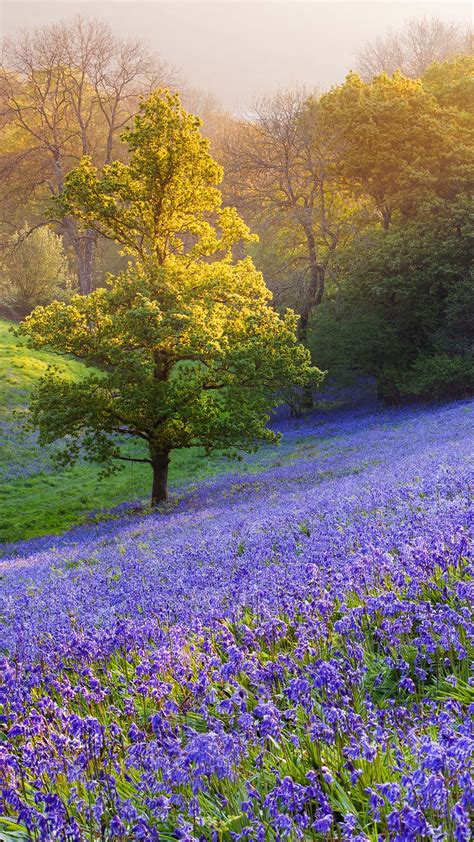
[361, 196]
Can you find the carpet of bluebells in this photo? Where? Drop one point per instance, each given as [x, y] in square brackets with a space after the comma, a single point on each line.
[284, 655]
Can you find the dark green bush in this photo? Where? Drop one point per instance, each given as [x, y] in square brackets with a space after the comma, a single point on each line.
[435, 376]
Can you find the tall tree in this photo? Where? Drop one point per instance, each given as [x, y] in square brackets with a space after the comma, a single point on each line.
[418, 44]
[68, 91]
[401, 147]
[188, 348]
[280, 170]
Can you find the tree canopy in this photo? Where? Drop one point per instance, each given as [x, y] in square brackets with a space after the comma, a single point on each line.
[402, 148]
[165, 201]
[67, 90]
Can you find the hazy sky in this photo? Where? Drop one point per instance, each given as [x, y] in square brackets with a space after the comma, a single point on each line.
[241, 50]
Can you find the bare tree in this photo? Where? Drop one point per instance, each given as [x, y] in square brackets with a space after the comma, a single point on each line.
[280, 173]
[67, 91]
[418, 44]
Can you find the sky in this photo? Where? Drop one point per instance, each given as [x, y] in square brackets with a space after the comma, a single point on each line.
[240, 50]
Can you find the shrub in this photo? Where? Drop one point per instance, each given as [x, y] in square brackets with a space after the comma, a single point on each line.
[34, 272]
[436, 376]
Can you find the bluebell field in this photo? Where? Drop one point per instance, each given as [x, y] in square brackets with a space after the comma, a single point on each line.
[284, 655]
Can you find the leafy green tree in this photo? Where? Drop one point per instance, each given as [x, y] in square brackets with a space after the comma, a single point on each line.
[188, 355]
[452, 83]
[401, 310]
[186, 347]
[34, 271]
[403, 149]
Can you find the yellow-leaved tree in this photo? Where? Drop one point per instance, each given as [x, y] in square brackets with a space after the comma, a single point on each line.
[403, 149]
[188, 349]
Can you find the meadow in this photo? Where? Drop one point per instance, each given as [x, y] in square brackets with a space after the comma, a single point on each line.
[55, 498]
[284, 655]
[260, 628]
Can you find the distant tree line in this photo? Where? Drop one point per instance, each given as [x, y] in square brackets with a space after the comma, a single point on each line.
[362, 199]
[420, 43]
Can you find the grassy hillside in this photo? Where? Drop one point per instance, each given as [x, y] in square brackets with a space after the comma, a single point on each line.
[35, 497]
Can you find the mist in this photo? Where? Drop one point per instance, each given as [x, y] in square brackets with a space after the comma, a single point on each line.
[240, 51]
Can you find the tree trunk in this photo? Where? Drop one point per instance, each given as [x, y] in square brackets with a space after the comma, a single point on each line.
[315, 290]
[313, 299]
[84, 248]
[386, 217]
[160, 463]
[83, 245]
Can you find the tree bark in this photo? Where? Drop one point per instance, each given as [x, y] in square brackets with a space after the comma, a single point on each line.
[84, 248]
[315, 290]
[386, 217]
[160, 462]
[313, 299]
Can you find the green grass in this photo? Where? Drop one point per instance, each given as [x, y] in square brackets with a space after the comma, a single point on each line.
[51, 500]
[51, 503]
[41, 499]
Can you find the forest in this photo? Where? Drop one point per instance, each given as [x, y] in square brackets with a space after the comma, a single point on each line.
[236, 381]
[359, 196]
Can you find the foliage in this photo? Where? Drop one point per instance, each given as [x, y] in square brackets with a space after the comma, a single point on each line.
[190, 351]
[403, 150]
[166, 200]
[283, 660]
[403, 293]
[399, 299]
[434, 376]
[35, 271]
[452, 83]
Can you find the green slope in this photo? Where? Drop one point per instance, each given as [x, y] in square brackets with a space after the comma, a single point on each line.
[35, 497]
